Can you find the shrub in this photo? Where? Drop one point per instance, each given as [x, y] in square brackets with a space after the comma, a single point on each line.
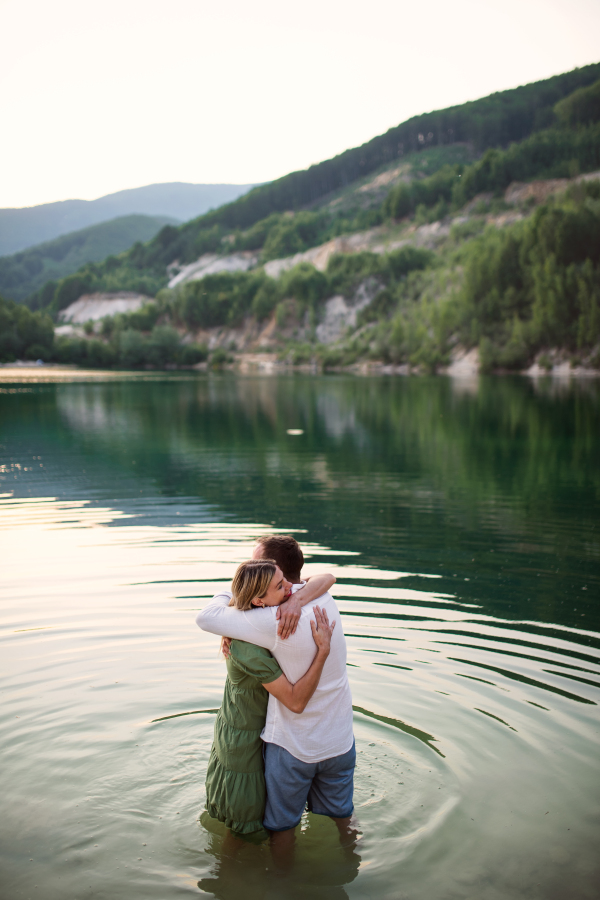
[20, 329]
[37, 351]
[132, 349]
[265, 300]
[192, 354]
[219, 358]
[163, 346]
[292, 234]
[70, 289]
[305, 284]
[346, 271]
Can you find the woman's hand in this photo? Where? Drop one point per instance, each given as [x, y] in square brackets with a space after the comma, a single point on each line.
[288, 612]
[296, 696]
[322, 630]
[289, 616]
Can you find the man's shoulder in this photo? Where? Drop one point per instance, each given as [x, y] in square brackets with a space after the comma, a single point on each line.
[324, 600]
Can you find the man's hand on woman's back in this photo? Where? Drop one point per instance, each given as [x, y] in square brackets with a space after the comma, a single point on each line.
[322, 630]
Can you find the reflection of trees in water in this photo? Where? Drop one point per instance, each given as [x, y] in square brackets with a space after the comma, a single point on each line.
[321, 869]
[508, 438]
[411, 472]
[422, 427]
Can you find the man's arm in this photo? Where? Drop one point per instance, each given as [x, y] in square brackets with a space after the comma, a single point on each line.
[289, 611]
[296, 696]
[257, 626]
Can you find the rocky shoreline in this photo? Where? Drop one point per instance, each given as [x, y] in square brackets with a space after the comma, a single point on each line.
[465, 367]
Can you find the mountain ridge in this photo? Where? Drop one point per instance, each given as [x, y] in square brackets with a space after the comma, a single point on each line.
[28, 270]
[24, 227]
[435, 260]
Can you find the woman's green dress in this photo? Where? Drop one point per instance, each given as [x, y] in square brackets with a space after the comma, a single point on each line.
[235, 779]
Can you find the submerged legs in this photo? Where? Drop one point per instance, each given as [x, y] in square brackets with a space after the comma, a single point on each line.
[349, 830]
[282, 849]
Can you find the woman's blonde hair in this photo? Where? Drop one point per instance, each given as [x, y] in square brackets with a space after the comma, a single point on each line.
[252, 579]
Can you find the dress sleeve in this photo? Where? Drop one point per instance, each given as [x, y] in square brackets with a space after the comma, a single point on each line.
[255, 661]
[258, 626]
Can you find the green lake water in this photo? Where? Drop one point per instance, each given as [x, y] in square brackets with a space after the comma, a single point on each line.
[461, 520]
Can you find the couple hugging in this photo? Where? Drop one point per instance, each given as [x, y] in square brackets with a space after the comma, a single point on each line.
[283, 736]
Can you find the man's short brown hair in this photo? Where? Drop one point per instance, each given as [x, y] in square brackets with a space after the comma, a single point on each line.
[286, 552]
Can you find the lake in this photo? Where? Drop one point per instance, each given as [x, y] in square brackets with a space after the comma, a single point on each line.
[461, 521]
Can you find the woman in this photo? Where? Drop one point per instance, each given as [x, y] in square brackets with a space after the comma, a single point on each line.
[235, 783]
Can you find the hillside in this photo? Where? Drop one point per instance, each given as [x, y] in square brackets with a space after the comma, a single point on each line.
[443, 255]
[27, 271]
[254, 221]
[27, 227]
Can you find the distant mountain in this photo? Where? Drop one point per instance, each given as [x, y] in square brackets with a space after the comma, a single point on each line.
[23, 273]
[21, 228]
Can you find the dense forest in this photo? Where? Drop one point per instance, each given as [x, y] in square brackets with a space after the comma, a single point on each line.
[490, 123]
[514, 291]
[24, 334]
[23, 273]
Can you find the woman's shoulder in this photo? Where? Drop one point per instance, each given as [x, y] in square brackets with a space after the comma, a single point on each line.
[248, 659]
[245, 651]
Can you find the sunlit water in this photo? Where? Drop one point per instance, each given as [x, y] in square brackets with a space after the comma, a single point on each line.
[461, 521]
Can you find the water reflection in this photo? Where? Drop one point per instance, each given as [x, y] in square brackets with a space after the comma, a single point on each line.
[498, 489]
[462, 527]
[322, 868]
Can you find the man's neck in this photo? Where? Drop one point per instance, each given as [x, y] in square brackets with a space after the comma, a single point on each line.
[296, 578]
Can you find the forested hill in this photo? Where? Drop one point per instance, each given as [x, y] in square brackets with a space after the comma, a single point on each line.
[441, 256]
[493, 121]
[447, 253]
[25, 272]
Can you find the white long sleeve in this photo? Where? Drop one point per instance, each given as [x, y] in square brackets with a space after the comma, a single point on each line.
[257, 626]
[324, 729]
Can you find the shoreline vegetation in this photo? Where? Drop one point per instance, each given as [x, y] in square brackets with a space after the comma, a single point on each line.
[462, 241]
[250, 364]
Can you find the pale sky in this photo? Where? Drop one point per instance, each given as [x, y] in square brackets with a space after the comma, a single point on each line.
[98, 97]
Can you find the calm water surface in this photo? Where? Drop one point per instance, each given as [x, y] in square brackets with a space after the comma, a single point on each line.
[461, 520]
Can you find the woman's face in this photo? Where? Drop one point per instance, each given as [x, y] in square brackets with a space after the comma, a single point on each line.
[277, 592]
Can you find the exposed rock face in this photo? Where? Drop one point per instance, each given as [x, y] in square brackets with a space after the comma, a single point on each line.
[210, 264]
[97, 306]
[539, 191]
[340, 313]
[464, 363]
[386, 178]
[320, 256]
[376, 240]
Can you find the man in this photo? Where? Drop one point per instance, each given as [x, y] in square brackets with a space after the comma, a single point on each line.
[309, 758]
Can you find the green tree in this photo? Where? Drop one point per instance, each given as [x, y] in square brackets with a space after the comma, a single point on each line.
[24, 334]
[582, 107]
[132, 349]
[164, 345]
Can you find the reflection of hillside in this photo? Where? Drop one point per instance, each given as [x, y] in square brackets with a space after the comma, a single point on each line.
[434, 476]
[89, 412]
[416, 438]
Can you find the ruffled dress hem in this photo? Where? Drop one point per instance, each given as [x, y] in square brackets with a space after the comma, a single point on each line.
[237, 827]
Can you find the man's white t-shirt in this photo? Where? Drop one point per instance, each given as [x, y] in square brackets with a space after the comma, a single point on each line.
[324, 729]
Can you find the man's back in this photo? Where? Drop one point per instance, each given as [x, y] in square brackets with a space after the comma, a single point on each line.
[324, 729]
